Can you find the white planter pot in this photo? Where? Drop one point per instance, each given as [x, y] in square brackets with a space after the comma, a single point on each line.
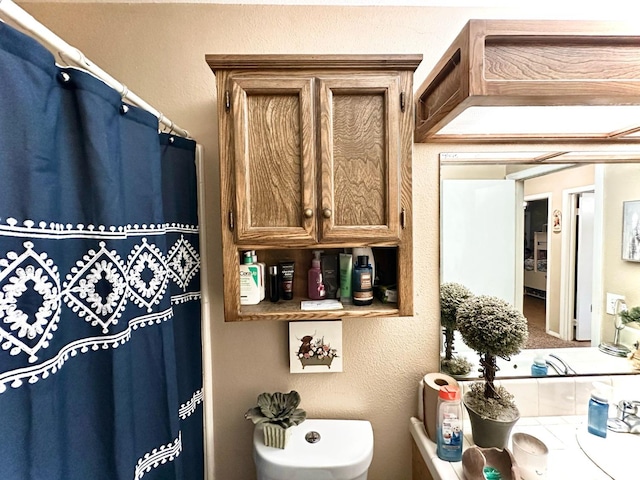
[275, 435]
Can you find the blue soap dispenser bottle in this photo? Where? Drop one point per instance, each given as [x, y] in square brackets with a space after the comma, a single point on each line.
[539, 366]
[598, 412]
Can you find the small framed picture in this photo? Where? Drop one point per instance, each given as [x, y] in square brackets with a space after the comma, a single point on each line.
[315, 347]
[557, 221]
[631, 231]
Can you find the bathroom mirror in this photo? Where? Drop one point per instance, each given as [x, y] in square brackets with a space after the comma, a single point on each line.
[544, 231]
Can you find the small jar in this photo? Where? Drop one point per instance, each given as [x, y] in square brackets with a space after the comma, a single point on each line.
[539, 367]
[598, 411]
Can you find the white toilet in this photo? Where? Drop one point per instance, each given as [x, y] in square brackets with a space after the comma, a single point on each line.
[317, 450]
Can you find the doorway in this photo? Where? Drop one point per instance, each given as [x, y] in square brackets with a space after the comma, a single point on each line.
[536, 266]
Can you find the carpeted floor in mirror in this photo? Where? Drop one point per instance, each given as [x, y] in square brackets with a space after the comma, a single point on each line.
[534, 310]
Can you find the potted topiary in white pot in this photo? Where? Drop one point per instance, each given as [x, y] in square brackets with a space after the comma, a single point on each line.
[493, 328]
[278, 412]
[452, 295]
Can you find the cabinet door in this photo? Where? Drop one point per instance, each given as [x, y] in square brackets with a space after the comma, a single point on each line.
[360, 155]
[274, 159]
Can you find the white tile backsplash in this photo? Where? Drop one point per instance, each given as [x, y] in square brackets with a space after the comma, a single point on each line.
[566, 396]
[556, 396]
[525, 393]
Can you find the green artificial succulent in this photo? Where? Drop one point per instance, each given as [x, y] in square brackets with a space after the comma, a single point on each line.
[277, 408]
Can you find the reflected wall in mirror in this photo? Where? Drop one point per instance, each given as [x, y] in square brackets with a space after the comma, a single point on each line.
[548, 239]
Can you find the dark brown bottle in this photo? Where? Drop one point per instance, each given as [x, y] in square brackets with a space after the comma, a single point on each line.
[362, 282]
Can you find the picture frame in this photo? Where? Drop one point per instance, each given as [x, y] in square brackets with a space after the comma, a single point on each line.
[315, 347]
[631, 231]
[557, 221]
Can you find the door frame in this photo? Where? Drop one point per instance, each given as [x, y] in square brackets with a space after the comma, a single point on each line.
[568, 258]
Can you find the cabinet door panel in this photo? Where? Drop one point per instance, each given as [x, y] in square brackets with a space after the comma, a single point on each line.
[360, 155]
[274, 160]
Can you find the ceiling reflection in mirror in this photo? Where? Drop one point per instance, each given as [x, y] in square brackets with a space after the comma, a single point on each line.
[545, 231]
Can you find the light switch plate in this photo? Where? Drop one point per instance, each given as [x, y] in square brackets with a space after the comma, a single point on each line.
[611, 302]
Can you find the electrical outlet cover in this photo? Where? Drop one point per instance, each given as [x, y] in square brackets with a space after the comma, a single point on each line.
[611, 302]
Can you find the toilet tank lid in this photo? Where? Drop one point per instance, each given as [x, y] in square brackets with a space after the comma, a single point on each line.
[345, 448]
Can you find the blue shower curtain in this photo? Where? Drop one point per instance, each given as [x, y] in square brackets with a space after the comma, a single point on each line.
[100, 343]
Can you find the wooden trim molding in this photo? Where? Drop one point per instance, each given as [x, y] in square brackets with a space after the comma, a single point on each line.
[322, 62]
[532, 63]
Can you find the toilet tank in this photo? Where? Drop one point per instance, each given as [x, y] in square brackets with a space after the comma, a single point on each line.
[343, 451]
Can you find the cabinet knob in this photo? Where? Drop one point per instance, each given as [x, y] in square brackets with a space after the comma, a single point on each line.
[308, 213]
[326, 212]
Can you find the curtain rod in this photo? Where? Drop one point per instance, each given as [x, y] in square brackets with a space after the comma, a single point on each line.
[72, 55]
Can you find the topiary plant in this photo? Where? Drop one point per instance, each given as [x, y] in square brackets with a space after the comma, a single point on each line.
[452, 295]
[278, 409]
[493, 328]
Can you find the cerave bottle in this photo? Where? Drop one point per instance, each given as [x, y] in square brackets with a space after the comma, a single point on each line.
[250, 292]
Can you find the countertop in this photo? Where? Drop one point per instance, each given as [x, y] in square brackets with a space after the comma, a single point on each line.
[566, 458]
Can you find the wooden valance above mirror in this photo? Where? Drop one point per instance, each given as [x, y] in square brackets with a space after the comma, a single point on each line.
[542, 80]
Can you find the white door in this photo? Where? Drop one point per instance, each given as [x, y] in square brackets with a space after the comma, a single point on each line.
[584, 266]
[478, 236]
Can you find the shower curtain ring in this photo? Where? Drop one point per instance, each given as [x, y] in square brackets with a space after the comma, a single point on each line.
[124, 92]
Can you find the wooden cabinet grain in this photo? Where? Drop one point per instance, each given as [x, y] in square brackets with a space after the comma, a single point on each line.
[315, 152]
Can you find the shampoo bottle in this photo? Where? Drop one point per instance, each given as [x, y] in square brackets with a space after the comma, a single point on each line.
[598, 412]
[449, 429]
[362, 282]
[315, 287]
[368, 251]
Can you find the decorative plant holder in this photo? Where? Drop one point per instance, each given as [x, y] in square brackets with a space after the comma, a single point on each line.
[276, 436]
[316, 361]
[277, 413]
[488, 432]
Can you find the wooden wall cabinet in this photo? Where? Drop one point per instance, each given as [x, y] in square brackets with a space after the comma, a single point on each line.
[315, 153]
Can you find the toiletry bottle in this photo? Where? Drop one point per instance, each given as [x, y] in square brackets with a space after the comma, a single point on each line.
[249, 281]
[449, 425]
[368, 251]
[598, 412]
[263, 274]
[315, 287]
[274, 290]
[361, 283]
[539, 367]
[330, 272]
[346, 269]
[286, 279]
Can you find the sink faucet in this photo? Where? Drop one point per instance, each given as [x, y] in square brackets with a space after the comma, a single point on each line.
[627, 420]
[565, 370]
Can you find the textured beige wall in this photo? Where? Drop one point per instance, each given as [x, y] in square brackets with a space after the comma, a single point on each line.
[621, 277]
[158, 51]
